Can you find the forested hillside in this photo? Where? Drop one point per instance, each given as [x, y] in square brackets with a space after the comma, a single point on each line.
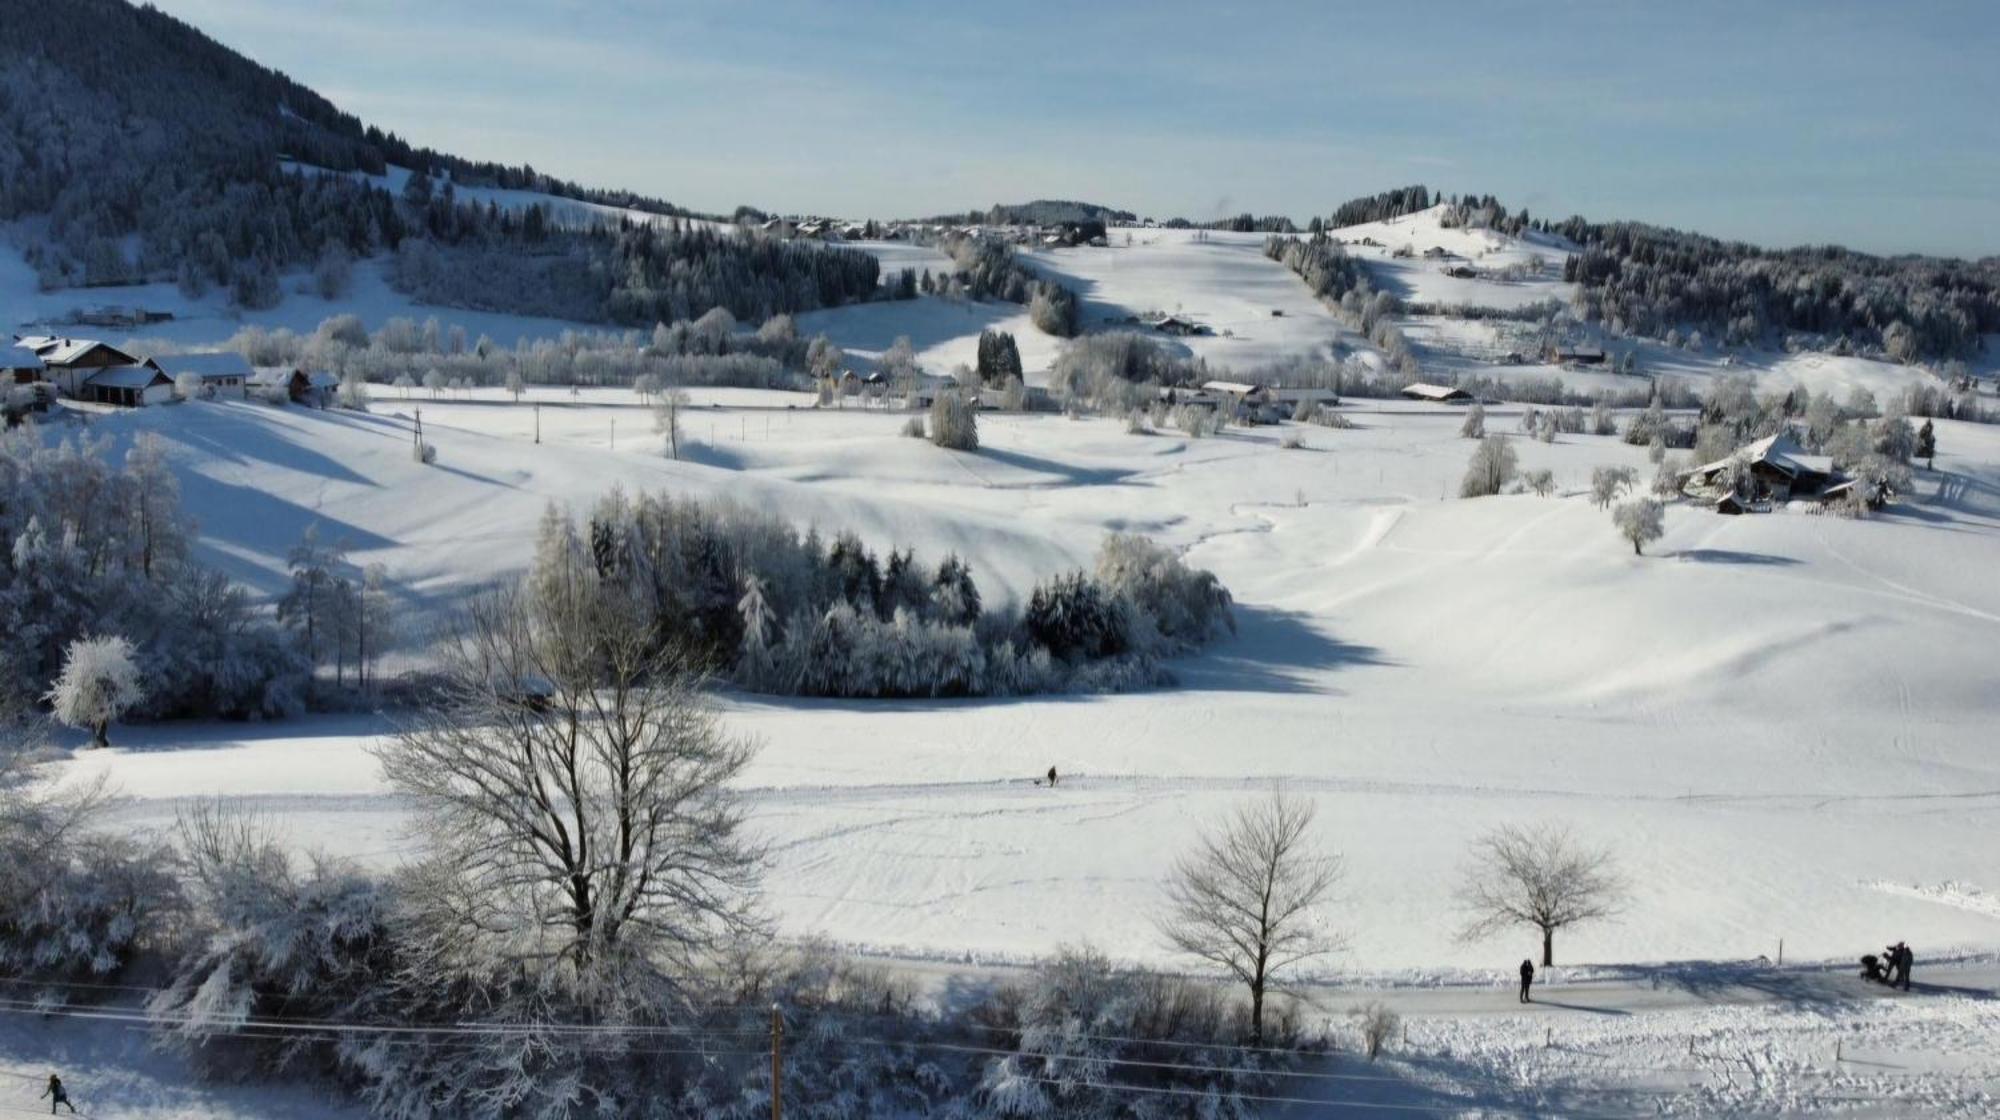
[134, 148]
[1654, 282]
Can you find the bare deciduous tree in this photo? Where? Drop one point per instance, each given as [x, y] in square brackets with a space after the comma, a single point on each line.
[572, 782]
[1245, 898]
[1378, 1023]
[1538, 876]
[667, 417]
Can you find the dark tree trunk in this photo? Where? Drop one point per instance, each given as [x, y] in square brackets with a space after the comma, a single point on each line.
[1548, 947]
[100, 733]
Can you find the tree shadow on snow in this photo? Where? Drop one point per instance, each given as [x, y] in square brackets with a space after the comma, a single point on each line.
[1067, 474]
[1821, 988]
[1731, 556]
[1273, 651]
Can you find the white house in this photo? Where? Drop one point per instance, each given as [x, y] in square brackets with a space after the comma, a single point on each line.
[71, 362]
[222, 373]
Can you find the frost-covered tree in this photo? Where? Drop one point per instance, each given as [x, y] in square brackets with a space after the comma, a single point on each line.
[1474, 426]
[1539, 876]
[333, 274]
[1541, 483]
[159, 532]
[314, 607]
[955, 595]
[667, 411]
[516, 385]
[1926, 448]
[436, 382]
[277, 938]
[1490, 469]
[406, 383]
[1639, 521]
[1606, 483]
[354, 392]
[954, 421]
[1247, 899]
[99, 683]
[78, 899]
[187, 386]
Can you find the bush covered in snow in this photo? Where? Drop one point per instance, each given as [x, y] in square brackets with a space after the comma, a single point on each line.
[276, 938]
[77, 902]
[954, 422]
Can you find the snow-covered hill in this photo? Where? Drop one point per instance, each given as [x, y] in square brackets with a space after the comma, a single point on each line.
[1779, 721]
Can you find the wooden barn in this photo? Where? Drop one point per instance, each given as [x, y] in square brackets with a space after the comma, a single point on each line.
[1436, 394]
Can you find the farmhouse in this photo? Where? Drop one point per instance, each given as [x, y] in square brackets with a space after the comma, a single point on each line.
[1580, 354]
[314, 389]
[1779, 470]
[1435, 394]
[1177, 326]
[222, 373]
[75, 367]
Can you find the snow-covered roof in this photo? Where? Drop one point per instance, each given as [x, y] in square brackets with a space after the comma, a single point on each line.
[125, 377]
[1239, 388]
[58, 351]
[1780, 451]
[208, 366]
[1424, 391]
[17, 356]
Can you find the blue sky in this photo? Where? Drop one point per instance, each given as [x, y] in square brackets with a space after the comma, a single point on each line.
[1870, 124]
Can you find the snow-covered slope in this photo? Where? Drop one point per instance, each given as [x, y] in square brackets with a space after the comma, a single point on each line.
[1420, 278]
[209, 319]
[561, 210]
[1780, 722]
[1259, 311]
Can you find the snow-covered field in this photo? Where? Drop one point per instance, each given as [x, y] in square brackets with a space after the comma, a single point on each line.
[1782, 722]
[1259, 311]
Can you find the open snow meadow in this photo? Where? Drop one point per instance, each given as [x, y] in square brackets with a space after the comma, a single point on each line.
[1781, 723]
[943, 562]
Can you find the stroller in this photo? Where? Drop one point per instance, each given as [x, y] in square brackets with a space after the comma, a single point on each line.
[1873, 968]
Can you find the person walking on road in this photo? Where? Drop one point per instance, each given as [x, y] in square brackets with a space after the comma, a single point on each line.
[1527, 979]
[1052, 777]
[57, 1095]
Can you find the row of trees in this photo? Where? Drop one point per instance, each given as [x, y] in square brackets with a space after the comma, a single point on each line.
[742, 593]
[988, 268]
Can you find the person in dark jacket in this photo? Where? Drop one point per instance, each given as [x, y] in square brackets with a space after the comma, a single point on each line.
[57, 1095]
[1527, 979]
[1052, 776]
[1904, 959]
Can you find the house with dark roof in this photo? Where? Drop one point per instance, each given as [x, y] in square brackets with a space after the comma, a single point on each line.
[1435, 394]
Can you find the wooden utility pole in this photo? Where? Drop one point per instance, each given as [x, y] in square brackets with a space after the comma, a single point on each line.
[538, 421]
[777, 1065]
